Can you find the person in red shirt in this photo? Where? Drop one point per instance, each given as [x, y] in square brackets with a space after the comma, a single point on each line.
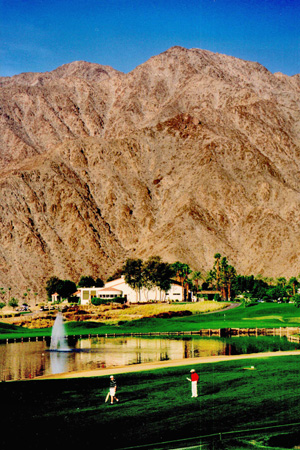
[194, 382]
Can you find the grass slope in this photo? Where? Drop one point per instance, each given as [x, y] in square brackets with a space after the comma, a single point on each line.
[154, 406]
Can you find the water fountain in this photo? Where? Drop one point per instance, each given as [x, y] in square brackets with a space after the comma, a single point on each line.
[58, 339]
[58, 346]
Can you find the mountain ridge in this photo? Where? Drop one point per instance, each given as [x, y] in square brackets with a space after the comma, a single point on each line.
[189, 154]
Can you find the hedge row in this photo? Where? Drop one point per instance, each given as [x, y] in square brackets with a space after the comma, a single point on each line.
[104, 301]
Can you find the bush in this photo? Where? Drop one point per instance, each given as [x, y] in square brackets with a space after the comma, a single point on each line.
[168, 314]
[100, 301]
[105, 301]
[13, 302]
[120, 300]
[296, 300]
[74, 299]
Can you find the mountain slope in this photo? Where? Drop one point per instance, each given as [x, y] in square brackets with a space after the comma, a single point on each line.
[190, 154]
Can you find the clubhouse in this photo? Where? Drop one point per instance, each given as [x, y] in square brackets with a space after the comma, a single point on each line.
[119, 288]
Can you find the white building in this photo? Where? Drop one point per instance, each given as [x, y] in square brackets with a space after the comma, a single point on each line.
[118, 288]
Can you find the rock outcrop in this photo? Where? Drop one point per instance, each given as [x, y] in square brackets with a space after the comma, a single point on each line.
[190, 154]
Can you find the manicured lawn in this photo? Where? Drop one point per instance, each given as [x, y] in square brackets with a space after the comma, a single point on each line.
[264, 315]
[155, 406]
[112, 316]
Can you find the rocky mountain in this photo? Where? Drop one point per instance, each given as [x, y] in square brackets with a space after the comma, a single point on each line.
[190, 154]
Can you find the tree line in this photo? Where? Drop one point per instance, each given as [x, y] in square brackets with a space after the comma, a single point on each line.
[67, 288]
[223, 278]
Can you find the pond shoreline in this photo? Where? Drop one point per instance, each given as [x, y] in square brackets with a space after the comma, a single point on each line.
[163, 364]
[221, 332]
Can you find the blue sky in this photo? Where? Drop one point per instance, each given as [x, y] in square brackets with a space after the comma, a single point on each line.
[41, 35]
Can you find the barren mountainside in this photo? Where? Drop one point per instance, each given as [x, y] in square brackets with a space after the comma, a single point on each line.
[190, 154]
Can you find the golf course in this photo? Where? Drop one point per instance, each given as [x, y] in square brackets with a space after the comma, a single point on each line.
[262, 315]
[242, 403]
[156, 406]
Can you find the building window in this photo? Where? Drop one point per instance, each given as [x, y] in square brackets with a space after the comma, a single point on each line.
[86, 295]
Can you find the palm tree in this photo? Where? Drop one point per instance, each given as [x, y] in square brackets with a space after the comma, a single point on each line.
[293, 282]
[2, 294]
[216, 267]
[8, 294]
[182, 272]
[231, 274]
[223, 276]
[281, 281]
[196, 277]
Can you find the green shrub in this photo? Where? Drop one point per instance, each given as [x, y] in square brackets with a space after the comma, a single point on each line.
[100, 301]
[120, 300]
[169, 314]
[73, 300]
[104, 301]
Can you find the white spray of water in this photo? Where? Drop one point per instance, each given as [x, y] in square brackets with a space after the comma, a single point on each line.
[58, 339]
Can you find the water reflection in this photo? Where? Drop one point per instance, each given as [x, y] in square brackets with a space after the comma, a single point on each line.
[22, 360]
[130, 350]
[58, 362]
[30, 359]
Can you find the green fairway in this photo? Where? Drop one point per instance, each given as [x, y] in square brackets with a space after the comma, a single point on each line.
[154, 406]
[264, 315]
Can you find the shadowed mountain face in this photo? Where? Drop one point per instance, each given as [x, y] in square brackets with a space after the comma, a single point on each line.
[190, 154]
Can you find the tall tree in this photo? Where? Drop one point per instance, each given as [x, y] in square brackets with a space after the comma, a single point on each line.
[150, 271]
[99, 282]
[293, 282]
[231, 275]
[223, 277]
[281, 281]
[216, 268]
[133, 273]
[163, 277]
[2, 294]
[86, 282]
[51, 286]
[182, 272]
[157, 273]
[196, 277]
[66, 288]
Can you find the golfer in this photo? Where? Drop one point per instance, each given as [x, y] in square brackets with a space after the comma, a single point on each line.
[112, 389]
[194, 381]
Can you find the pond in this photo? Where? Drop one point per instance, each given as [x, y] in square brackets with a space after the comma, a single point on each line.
[24, 360]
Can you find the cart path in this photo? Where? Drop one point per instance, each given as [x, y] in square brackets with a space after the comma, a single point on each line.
[191, 362]
[231, 306]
